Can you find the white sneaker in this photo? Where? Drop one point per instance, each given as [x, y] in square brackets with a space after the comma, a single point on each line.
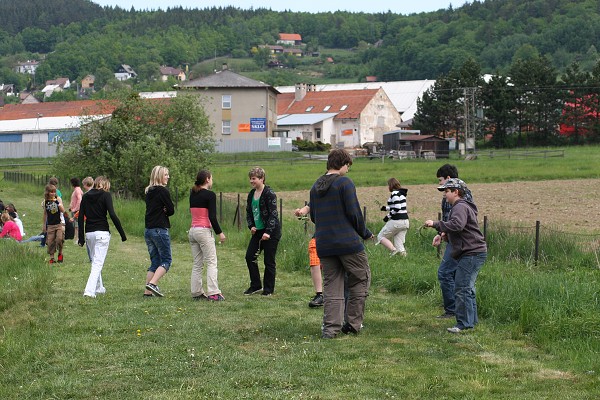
[454, 329]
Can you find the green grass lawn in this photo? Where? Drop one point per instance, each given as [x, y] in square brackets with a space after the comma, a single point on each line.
[537, 339]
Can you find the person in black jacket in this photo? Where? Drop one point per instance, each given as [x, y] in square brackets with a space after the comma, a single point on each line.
[94, 206]
[263, 222]
[159, 208]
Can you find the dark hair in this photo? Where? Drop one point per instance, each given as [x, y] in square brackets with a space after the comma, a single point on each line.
[337, 158]
[461, 192]
[201, 178]
[53, 181]
[75, 182]
[394, 184]
[447, 170]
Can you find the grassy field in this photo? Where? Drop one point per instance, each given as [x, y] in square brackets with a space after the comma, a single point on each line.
[539, 335]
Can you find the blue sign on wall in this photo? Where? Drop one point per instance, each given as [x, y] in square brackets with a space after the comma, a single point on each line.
[258, 124]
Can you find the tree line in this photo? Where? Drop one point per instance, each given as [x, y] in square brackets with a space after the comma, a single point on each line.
[531, 105]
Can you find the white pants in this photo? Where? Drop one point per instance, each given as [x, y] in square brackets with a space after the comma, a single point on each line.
[395, 231]
[204, 251]
[98, 245]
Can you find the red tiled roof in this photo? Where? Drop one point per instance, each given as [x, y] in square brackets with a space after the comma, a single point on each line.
[290, 36]
[56, 109]
[354, 100]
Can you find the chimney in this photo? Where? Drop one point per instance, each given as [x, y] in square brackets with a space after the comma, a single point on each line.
[300, 91]
[311, 87]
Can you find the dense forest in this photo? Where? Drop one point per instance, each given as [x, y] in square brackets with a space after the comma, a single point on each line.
[547, 47]
[78, 37]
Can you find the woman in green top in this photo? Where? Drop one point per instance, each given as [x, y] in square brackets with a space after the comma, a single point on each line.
[263, 222]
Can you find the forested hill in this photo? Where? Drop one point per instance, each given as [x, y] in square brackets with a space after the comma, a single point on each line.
[78, 37]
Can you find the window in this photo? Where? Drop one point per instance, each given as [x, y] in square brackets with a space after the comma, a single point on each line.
[318, 133]
[226, 129]
[342, 108]
[326, 108]
[226, 101]
[309, 109]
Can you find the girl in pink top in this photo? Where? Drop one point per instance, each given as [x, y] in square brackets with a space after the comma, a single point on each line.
[10, 228]
[74, 205]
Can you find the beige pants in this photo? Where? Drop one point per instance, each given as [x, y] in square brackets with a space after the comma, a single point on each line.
[204, 252]
[55, 238]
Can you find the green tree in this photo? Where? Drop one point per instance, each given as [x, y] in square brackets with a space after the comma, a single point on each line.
[499, 103]
[139, 135]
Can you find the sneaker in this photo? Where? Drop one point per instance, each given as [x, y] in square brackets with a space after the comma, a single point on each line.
[200, 298]
[251, 290]
[393, 253]
[265, 293]
[148, 295]
[317, 301]
[216, 297]
[445, 315]
[154, 289]
[347, 328]
[51, 261]
[327, 336]
[455, 329]
[60, 258]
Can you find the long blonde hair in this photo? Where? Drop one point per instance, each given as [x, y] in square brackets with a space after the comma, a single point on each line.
[157, 177]
[102, 183]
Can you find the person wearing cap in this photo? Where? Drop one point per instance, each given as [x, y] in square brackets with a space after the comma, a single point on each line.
[447, 268]
[468, 249]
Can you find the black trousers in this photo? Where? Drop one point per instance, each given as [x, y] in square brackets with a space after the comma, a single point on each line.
[269, 251]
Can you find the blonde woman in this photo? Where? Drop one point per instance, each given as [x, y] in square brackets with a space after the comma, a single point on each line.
[159, 208]
[92, 221]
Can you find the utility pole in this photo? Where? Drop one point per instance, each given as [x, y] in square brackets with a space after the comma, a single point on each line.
[470, 117]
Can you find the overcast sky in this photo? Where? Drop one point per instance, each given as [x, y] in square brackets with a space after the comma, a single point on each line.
[369, 6]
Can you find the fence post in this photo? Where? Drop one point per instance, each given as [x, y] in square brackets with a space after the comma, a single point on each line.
[239, 214]
[281, 213]
[537, 242]
[485, 224]
[220, 206]
[305, 221]
[439, 248]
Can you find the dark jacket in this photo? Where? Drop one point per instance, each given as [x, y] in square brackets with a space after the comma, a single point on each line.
[335, 211]
[159, 207]
[462, 229]
[268, 212]
[95, 204]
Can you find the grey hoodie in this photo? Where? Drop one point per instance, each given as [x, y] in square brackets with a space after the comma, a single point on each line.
[462, 229]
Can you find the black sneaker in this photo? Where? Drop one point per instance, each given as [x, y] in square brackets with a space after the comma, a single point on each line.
[446, 315]
[200, 298]
[265, 293]
[347, 328]
[154, 289]
[317, 301]
[251, 290]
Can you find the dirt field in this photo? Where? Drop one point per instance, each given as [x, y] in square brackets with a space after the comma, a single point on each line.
[568, 205]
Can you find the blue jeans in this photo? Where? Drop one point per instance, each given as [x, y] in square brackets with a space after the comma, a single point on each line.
[446, 273]
[466, 273]
[159, 247]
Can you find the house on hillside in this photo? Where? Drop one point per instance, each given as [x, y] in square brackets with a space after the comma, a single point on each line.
[237, 106]
[27, 67]
[125, 72]
[26, 97]
[166, 72]
[343, 118]
[32, 130]
[88, 82]
[290, 39]
[55, 85]
[7, 89]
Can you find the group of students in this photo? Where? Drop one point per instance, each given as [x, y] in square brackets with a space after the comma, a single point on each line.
[11, 225]
[336, 251]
